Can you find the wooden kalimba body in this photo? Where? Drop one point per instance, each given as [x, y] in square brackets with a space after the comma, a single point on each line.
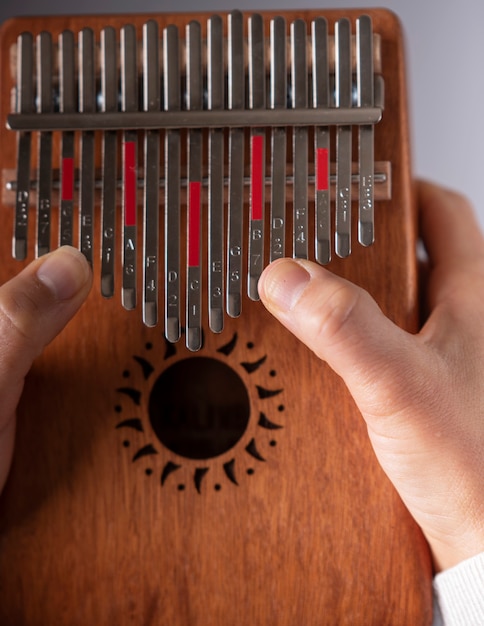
[181, 459]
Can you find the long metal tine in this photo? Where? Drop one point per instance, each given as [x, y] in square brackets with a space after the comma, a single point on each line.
[152, 102]
[365, 90]
[171, 73]
[320, 76]
[343, 138]
[278, 100]
[44, 93]
[236, 101]
[299, 76]
[67, 105]
[194, 221]
[109, 92]
[25, 104]
[257, 100]
[129, 96]
[215, 84]
[87, 104]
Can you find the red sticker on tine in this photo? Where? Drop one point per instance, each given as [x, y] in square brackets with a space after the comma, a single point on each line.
[194, 191]
[67, 191]
[130, 183]
[257, 177]
[322, 170]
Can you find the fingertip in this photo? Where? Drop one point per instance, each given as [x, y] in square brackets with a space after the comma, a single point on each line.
[282, 284]
[448, 223]
[65, 272]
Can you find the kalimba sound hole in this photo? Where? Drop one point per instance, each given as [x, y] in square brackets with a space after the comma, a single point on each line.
[199, 408]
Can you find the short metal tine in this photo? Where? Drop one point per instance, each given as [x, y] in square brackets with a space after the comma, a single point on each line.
[299, 79]
[87, 104]
[129, 102]
[194, 217]
[151, 204]
[215, 84]
[25, 104]
[67, 104]
[44, 105]
[278, 100]
[257, 100]
[171, 73]
[320, 76]
[236, 101]
[109, 92]
[343, 138]
[365, 90]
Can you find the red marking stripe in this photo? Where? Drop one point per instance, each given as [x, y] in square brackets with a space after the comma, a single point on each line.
[257, 176]
[194, 191]
[130, 183]
[322, 168]
[67, 191]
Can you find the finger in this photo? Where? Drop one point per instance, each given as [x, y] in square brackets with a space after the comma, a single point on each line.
[345, 327]
[34, 307]
[448, 226]
[455, 247]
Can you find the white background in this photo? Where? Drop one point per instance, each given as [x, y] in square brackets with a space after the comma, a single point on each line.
[445, 54]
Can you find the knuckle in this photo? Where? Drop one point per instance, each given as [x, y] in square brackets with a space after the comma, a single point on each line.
[338, 315]
[18, 314]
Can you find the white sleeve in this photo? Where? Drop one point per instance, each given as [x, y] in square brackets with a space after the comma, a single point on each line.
[459, 593]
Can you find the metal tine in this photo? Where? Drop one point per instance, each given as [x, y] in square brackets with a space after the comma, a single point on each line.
[257, 100]
[87, 104]
[67, 105]
[300, 139]
[194, 273]
[129, 103]
[215, 84]
[25, 104]
[44, 105]
[152, 102]
[278, 100]
[236, 101]
[171, 72]
[109, 90]
[320, 77]
[343, 138]
[365, 91]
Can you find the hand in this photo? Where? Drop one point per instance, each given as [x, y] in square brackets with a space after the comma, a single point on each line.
[422, 396]
[34, 307]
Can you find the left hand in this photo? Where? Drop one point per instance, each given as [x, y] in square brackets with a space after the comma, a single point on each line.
[35, 306]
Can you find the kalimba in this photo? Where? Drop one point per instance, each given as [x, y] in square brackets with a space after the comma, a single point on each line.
[181, 459]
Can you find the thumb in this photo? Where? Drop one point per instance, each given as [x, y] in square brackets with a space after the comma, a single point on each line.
[34, 307]
[345, 327]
